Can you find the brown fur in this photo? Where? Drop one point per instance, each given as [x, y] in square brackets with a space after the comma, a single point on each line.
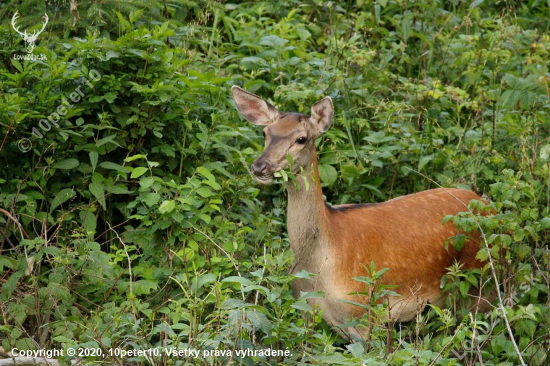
[404, 234]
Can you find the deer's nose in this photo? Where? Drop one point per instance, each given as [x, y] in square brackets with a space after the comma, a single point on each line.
[259, 167]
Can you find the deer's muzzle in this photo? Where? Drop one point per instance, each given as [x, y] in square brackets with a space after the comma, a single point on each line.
[263, 170]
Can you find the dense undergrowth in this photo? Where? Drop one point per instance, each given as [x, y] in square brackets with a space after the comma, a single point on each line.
[135, 223]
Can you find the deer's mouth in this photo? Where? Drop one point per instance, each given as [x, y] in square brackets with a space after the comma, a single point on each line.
[265, 179]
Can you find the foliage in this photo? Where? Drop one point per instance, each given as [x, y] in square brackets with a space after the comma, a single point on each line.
[134, 224]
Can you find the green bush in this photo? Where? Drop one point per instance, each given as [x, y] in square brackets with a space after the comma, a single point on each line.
[132, 222]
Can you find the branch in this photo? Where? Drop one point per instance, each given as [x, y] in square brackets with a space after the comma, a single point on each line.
[21, 230]
[129, 269]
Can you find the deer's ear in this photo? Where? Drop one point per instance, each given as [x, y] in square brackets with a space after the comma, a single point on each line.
[254, 108]
[321, 115]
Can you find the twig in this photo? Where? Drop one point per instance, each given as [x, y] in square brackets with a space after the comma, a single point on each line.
[235, 344]
[548, 190]
[445, 346]
[10, 127]
[21, 230]
[258, 295]
[493, 271]
[129, 270]
[5, 138]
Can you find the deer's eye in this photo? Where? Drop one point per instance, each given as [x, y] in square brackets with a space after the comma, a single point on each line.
[263, 133]
[301, 140]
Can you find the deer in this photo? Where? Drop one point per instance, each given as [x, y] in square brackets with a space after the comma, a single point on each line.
[29, 39]
[404, 234]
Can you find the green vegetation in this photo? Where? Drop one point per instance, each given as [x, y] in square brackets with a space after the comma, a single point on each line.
[135, 223]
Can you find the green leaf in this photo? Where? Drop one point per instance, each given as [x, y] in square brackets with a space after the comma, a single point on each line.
[256, 288]
[146, 182]
[205, 218]
[202, 280]
[52, 250]
[235, 304]
[113, 166]
[62, 197]
[152, 199]
[458, 241]
[328, 174]
[212, 184]
[17, 65]
[66, 164]
[111, 54]
[304, 274]
[110, 97]
[378, 137]
[6, 262]
[204, 192]
[167, 206]
[138, 172]
[490, 224]
[509, 98]
[272, 41]
[425, 160]
[464, 287]
[253, 62]
[312, 295]
[205, 173]
[24, 343]
[527, 99]
[283, 174]
[93, 159]
[303, 33]
[260, 321]
[364, 279]
[238, 279]
[482, 255]
[406, 28]
[519, 234]
[117, 190]
[11, 284]
[511, 81]
[143, 287]
[63, 339]
[301, 305]
[505, 239]
[306, 182]
[356, 349]
[544, 224]
[545, 152]
[134, 157]
[476, 3]
[106, 140]
[99, 193]
[446, 219]
[90, 222]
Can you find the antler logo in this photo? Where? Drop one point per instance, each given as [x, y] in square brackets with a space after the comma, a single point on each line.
[29, 39]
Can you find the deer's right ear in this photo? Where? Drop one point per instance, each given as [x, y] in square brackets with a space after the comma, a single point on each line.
[321, 115]
[254, 108]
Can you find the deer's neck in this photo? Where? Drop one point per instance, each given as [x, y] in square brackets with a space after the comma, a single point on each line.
[308, 215]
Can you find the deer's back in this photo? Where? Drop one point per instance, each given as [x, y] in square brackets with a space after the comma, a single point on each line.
[407, 236]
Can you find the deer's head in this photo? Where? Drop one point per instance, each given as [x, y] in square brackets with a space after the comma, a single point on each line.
[29, 39]
[285, 133]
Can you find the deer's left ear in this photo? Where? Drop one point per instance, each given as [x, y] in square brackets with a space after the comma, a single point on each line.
[253, 108]
[321, 115]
